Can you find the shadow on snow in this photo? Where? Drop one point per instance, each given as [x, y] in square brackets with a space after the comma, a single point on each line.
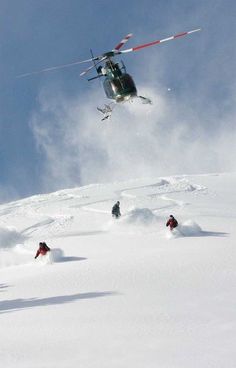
[214, 233]
[70, 259]
[21, 304]
[3, 287]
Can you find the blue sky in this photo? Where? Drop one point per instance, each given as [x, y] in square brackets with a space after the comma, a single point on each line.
[49, 129]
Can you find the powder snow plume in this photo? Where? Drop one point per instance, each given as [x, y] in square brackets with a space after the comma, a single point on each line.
[165, 138]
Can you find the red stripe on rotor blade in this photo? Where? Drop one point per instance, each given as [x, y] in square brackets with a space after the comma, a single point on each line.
[145, 45]
[119, 46]
[122, 42]
[181, 34]
[156, 42]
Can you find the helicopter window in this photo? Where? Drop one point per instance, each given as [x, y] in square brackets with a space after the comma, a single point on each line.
[108, 87]
[116, 83]
[118, 86]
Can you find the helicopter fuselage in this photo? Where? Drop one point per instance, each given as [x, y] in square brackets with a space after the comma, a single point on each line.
[118, 85]
[120, 88]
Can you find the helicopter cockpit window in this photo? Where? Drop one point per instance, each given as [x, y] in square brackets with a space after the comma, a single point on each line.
[117, 85]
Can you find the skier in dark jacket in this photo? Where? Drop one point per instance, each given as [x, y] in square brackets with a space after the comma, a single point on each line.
[172, 222]
[116, 210]
[43, 249]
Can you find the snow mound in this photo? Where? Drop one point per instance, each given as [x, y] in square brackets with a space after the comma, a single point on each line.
[187, 228]
[55, 255]
[190, 228]
[9, 237]
[140, 216]
[15, 254]
[136, 220]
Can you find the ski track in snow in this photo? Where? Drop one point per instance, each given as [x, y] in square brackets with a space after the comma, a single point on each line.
[156, 190]
[126, 293]
[57, 214]
[34, 206]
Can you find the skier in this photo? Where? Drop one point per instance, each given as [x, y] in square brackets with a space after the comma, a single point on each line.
[172, 222]
[43, 249]
[116, 210]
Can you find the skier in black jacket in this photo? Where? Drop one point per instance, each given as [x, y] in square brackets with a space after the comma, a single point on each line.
[116, 210]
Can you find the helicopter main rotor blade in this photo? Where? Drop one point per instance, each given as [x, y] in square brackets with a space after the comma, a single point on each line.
[93, 66]
[57, 67]
[159, 41]
[122, 42]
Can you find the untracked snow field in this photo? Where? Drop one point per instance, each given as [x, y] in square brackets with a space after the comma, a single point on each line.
[121, 293]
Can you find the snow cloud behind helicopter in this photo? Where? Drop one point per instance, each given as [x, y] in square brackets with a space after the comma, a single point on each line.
[167, 138]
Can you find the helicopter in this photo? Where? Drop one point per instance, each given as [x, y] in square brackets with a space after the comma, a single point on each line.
[118, 85]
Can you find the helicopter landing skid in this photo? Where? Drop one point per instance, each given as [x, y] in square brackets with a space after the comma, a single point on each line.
[145, 100]
[106, 111]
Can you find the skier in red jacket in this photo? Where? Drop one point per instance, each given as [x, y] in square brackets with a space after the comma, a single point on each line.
[43, 249]
[172, 222]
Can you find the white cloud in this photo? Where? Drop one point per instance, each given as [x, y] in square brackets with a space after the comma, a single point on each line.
[166, 138]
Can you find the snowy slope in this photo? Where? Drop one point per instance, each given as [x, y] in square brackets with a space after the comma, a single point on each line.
[124, 293]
